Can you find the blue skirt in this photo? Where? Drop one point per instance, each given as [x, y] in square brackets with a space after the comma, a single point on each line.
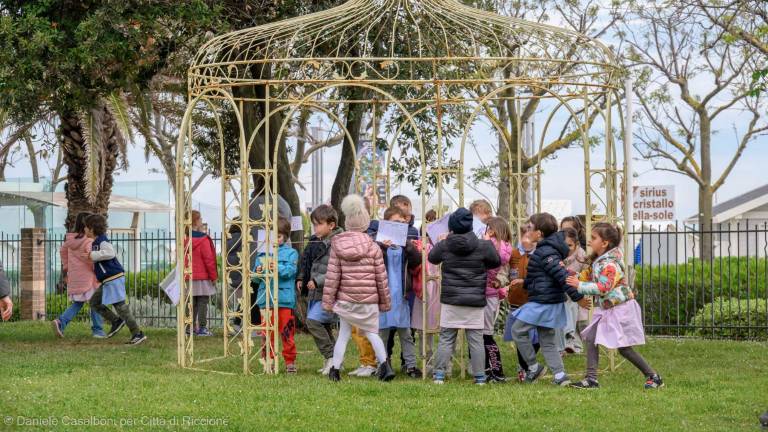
[315, 312]
[113, 291]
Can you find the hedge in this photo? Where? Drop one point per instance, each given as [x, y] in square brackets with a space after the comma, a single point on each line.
[732, 318]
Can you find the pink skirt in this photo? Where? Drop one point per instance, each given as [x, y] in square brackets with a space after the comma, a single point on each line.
[363, 316]
[618, 327]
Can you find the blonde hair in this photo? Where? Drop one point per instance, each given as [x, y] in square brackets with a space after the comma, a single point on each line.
[481, 206]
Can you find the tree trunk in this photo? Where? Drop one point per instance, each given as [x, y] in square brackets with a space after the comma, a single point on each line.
[354, 120]
[74, 153]
[705, 188]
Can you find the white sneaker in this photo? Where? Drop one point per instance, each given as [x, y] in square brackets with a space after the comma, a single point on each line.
[367, 371]
[327, 367]
[356, 371]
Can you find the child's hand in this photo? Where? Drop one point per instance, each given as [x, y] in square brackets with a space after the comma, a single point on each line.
[572, 281]
[85, 256]
[272, 265]
[259, 269]
[442, 237]
[495, 284]
[585, 302]
[517, 282]
[298, 285]
[607, 304]
[503, 293]
[387, 243]
[311, 285]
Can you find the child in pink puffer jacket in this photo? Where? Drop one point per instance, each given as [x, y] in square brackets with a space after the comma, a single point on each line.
[81, 280]
[498, 233]
[356, 286]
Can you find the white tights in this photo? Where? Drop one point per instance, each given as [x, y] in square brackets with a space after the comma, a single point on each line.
[345, 333]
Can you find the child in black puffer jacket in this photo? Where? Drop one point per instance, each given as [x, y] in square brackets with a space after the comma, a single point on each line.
[547, 294]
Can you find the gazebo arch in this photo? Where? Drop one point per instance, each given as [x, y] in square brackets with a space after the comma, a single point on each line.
[398, 59]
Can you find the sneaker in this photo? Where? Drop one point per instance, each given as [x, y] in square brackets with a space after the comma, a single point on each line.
[203, 332]
[563, 381]
[116, 326]
[764, 420]
[438, 378]
[480, 380]
[653, 382]
[99, 334]
[366, 372]
[586, 384]
[57, 328]
[496, 379]
[356, 371]
[137, 339]
[291, 369]
[327, 366]
[385, 372]
[414, 372]
[532, 376]
[333, 374]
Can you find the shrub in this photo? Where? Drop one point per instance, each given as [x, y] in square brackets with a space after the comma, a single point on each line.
[732, 318]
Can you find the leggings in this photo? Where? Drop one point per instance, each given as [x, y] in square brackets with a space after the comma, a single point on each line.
[345, 333]
[593, 358]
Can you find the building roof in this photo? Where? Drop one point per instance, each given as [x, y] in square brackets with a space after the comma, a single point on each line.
[117, 203]
[737, 205]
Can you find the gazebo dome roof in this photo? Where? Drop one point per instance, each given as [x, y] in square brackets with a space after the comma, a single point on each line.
[402, 40]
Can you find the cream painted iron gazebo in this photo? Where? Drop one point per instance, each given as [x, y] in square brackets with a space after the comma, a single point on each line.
[415, 66]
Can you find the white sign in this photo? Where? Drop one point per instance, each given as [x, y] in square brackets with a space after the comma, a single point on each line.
[170, 284]
[653, 203]
[262, 246]
[436, 229]
[396, 232]
[297, 224]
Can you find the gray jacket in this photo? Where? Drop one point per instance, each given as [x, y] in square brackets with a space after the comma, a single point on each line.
[5, 286]
[320, 266]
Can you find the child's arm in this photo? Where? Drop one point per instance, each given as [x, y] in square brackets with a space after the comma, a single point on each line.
[491, 258]
[603, 282]
[331, 282]
[436, 254]
[64, 258]
[560, 274]
[106, 252]
[287, 269]
[382, 285]
[209, 260]
[412, 254]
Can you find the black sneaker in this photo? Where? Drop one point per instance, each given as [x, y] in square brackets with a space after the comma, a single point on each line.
[334, 374]
[764, 420]
[414, 372]
[586, 384]
[654, 382]
[137, 339]
[563, 381]
[495, 379]
[532, 376]
[116, 326]
[385, 372]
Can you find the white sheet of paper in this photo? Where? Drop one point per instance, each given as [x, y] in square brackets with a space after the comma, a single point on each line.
[438, 228]
[297, 224]
[397, 232]
[170, 284]
[262, 246]
[478, 228]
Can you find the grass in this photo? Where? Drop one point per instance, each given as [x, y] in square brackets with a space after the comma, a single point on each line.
[711, 385]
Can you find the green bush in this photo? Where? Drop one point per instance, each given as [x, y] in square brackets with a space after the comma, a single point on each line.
[732, 318]
[674, 294]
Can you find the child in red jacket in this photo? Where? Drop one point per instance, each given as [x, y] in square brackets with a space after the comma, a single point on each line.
[204, 275]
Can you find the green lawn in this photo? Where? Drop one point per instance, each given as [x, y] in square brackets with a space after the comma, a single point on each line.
[711, 385]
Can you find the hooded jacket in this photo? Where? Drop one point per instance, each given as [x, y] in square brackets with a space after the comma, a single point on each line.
[105, 263]
[76, 262]
[501, 273]
[545, 278]
[609, 279]
[287, 264]
[314, 263]
[356, 272]
[203, 257]
[466, 261]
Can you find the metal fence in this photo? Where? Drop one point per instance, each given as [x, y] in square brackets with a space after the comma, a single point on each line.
[10, 256]
[681, 293]
[684, 292]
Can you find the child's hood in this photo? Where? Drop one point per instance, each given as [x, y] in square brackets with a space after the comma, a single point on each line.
[614, 254]
[351, 245]
[71, 242]
[557, 242]
[462, 244]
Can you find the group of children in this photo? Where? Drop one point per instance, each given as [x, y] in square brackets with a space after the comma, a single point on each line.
[376, 291]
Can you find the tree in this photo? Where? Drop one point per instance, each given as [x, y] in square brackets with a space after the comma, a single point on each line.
[76, 59]
[687, 79]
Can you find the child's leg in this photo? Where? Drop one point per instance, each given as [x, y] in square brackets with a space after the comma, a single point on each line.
[445, 349]
[320, 334]
[593, 358]
[492, 356]
[636, 359]
[345, 332]
[70, 314]
[526, 352]
[99, 307]
[287, 331]
[96, 325]
[549, 347]
[389, 339]
[201, 304]
[477, 353]
[364, 348]
[124, 312]
[407, 347]
[378, 346]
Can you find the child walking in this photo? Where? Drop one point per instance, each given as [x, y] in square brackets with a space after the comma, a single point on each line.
[495, 290]
[314, 265]
[287, 266]
[466, 261]
[109, 272]
[575, 263]
[356, 286]
[81, 280]
[399, 262]
[545, 309]
[204, 275]
[617, 323]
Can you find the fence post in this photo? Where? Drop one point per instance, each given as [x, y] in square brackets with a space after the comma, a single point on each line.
[32, 273]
